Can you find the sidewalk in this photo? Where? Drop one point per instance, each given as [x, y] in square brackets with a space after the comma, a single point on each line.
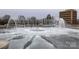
[4, 44]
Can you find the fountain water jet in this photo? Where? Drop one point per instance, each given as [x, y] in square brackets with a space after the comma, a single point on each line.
[9, 23]
[15, 23]
[61, 23]
[24, 23]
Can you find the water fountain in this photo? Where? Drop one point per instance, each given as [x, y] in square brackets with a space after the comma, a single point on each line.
[8, 24]
[61, 23]
[45, 31]
[24, 24]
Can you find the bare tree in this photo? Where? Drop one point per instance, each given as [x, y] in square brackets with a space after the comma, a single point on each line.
[4, 19]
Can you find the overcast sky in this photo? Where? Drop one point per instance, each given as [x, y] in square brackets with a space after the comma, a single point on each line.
[39, 13]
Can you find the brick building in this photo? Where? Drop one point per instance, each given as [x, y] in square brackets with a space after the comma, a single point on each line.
[70, 16]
